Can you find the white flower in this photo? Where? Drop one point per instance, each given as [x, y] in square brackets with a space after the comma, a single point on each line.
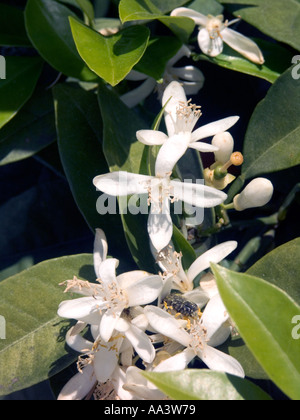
[161, 191]
[190, 77]
[213, 32]
[111, 295]
[181, 118]
[170, 263]
[257, 194]
[199, 339]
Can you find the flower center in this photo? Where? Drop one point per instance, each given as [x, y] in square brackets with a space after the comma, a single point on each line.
[215, 25]
[115, 298]
[188, 115]
[198, 335]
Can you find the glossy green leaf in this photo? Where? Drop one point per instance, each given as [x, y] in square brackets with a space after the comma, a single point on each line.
[206, 7]
[281, 268]
[124, 152]
[34, 348]
[276, 18]
[80, 130]
[22, 74]
[12, 27]
[47, 24]
[264, 315]
[32, 129]
[273, 135]
[132, 10]
[205, 385]
[87, 8]
[159, 51]
[270, 70]
[112, 57]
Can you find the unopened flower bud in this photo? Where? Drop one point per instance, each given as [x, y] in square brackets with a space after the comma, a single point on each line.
[225, 143]
[257, 194]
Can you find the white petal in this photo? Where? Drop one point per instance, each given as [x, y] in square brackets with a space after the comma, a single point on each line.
[131, 277]
[170, 153]
[203, 147]
[192, 88]
[122, 183]
[198, 296]
[79, 385]
[245, 46]
[167, 325]
[78, 343]
[107, 270]
[189, 73]
[100, 250]
[173, 94]
[79, 308]
[119, 379]
[211, 47]
[106, 359]
[144, 291]
[257, 194]
[225, 144]
[141, 343]
[198, 195]
[197, 17]
[213, 318]
[151, 137]
[160, 226]
[139, 94]
[214, 128]
[214, 255]
[221, 362]
[177, 362]
[108, 323]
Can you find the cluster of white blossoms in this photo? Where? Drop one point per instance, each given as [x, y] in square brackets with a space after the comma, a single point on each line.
[158, 322]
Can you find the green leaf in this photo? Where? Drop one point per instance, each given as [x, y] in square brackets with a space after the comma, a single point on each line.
[270, 71]
[123, 152]
[79, 128]
[87, 8]
[281, 268]
[12, 27]
[263, 314]
[34, 348]
[159, 51]
[132, 10]
[273, 135]
[205, 385]
[48, 28]
[32, 129]
[206, 7]
[182, 245]
[276, 18]
[22, 74]
[112, 57]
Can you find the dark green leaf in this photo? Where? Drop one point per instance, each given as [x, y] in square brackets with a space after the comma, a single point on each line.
[22, 74]
[47, 24]
[30, 131]
[80, 130]
[12, 27]
[273, 135]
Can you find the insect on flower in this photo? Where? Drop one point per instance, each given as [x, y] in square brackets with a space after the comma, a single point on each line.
[181, 305]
